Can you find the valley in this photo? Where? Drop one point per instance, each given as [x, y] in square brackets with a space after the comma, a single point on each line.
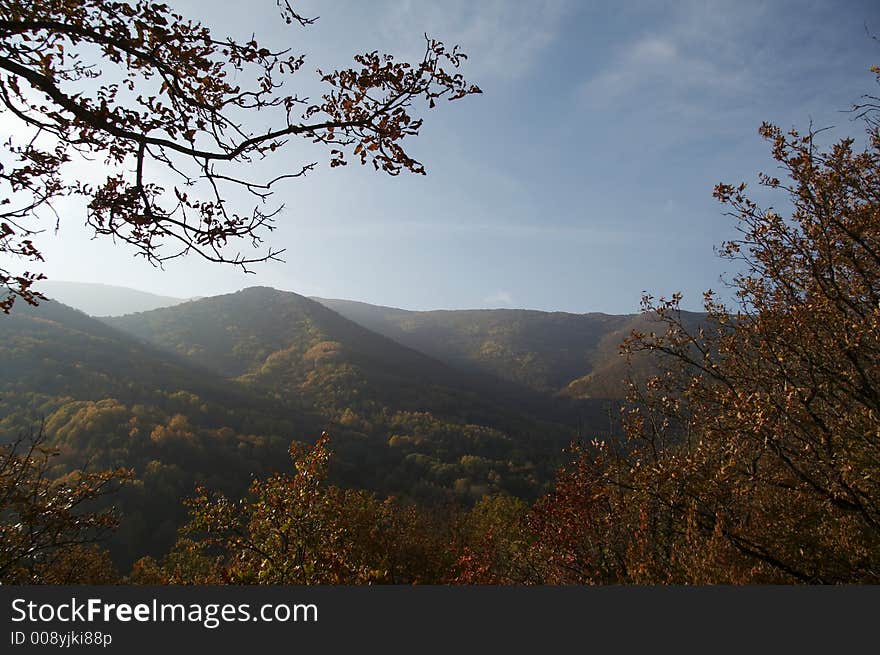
[436, 407]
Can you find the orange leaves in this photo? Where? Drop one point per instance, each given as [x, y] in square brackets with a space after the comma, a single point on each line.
[371, 105]
[43, 522]
[298, 529]
[778, 399]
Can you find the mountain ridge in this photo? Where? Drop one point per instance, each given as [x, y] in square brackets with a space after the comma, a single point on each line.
[214, 390]
[552, 352]
[558, 353]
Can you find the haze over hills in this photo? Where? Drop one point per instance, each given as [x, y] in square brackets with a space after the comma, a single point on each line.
[432, 406]
[105, 299]
[215, 390]
[55, 349]
[291, 345]
[575, 355]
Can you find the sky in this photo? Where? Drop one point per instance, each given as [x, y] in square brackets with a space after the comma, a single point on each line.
[580, 178]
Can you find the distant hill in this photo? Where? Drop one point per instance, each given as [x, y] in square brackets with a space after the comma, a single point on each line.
[57, 350]
[572, 355]
[576, 355]
[104, 299]
[213, 391]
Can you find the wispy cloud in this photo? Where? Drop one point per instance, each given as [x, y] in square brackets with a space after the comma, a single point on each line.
[503, 39]
[660, 68]
[499, 299]
[699, 52]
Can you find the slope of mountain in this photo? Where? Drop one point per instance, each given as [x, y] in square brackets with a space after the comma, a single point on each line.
[572, 355]
[293, 368]
[433, 427]
[576, 355]
[104, 299]
[213, 391]
[58, 350]
[104, 399]
[286, 341]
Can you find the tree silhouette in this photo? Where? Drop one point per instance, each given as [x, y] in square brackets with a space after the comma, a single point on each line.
[150, 93]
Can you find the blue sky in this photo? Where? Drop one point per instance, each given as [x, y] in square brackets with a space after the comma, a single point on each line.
[581, 177]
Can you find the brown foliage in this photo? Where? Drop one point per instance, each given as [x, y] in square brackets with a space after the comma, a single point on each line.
[755, 455]
[297, 529]
[492, 543]
[49, 527]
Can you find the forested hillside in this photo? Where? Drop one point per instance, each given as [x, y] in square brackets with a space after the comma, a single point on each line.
[576, 355]
[105, 400]
[446, 428]
[231, 381]
[263, 437]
